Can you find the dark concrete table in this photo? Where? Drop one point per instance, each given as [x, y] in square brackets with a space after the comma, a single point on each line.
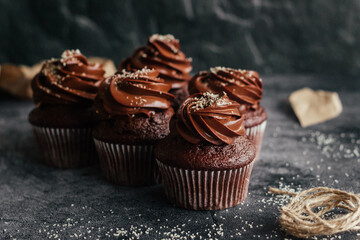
[38, 202]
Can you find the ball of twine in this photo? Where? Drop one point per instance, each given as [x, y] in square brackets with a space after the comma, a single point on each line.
[320, 211]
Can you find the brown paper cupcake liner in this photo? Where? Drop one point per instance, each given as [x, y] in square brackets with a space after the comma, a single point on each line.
[256, 134]
[205, 189]
[128, 165]
[66, 147]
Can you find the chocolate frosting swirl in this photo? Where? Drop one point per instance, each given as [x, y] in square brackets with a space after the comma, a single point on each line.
[141, 92]
[242, 86]
[68, 80]
[163, 54]
[209, 117]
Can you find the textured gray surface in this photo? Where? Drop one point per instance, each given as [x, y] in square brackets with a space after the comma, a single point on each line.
[270, 36]
[39, 202]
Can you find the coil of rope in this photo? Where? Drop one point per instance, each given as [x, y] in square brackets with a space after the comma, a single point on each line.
[319, 211]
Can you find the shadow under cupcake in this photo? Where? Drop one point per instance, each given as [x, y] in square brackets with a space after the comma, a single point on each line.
[207, 161]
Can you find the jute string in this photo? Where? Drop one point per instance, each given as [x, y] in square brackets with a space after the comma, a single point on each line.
[315, 212]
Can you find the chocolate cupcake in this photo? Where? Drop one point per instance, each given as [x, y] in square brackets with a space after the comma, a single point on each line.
[163, 54]
[64, 91]
[135, 113]
[242, 86]
[206, 163]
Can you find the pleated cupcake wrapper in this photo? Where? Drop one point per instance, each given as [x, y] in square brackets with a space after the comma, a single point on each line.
[66, 147]
[128, 165]
[203, 189]
[256, 134]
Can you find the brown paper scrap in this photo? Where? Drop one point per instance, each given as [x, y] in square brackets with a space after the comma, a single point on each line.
[313, 107]
[16, 79]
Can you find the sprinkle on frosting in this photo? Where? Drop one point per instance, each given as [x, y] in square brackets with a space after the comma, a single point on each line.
[163, 38]
[225, 69]
[208, 99]
[135, 75]
[216, 69]
[70, 53]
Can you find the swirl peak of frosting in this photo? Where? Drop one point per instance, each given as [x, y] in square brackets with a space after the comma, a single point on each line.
[211, 118]
[68, 80]
[163, 54]
[128, 93]
[163, 38]
[70, 53]
[242, 86]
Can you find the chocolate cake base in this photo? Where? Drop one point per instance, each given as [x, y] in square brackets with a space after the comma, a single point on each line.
[64, 135]
[175, 151]
[62, 116]
[255, 117]
[138, 129]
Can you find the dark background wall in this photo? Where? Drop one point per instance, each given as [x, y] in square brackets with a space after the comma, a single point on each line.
[307, 36]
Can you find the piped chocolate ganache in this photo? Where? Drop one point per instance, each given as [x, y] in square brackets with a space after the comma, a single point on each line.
[242, 86]
[140, 92]
[211, 118]
[134, 106]
[68, 80]
[163, 54]
[64, 91]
